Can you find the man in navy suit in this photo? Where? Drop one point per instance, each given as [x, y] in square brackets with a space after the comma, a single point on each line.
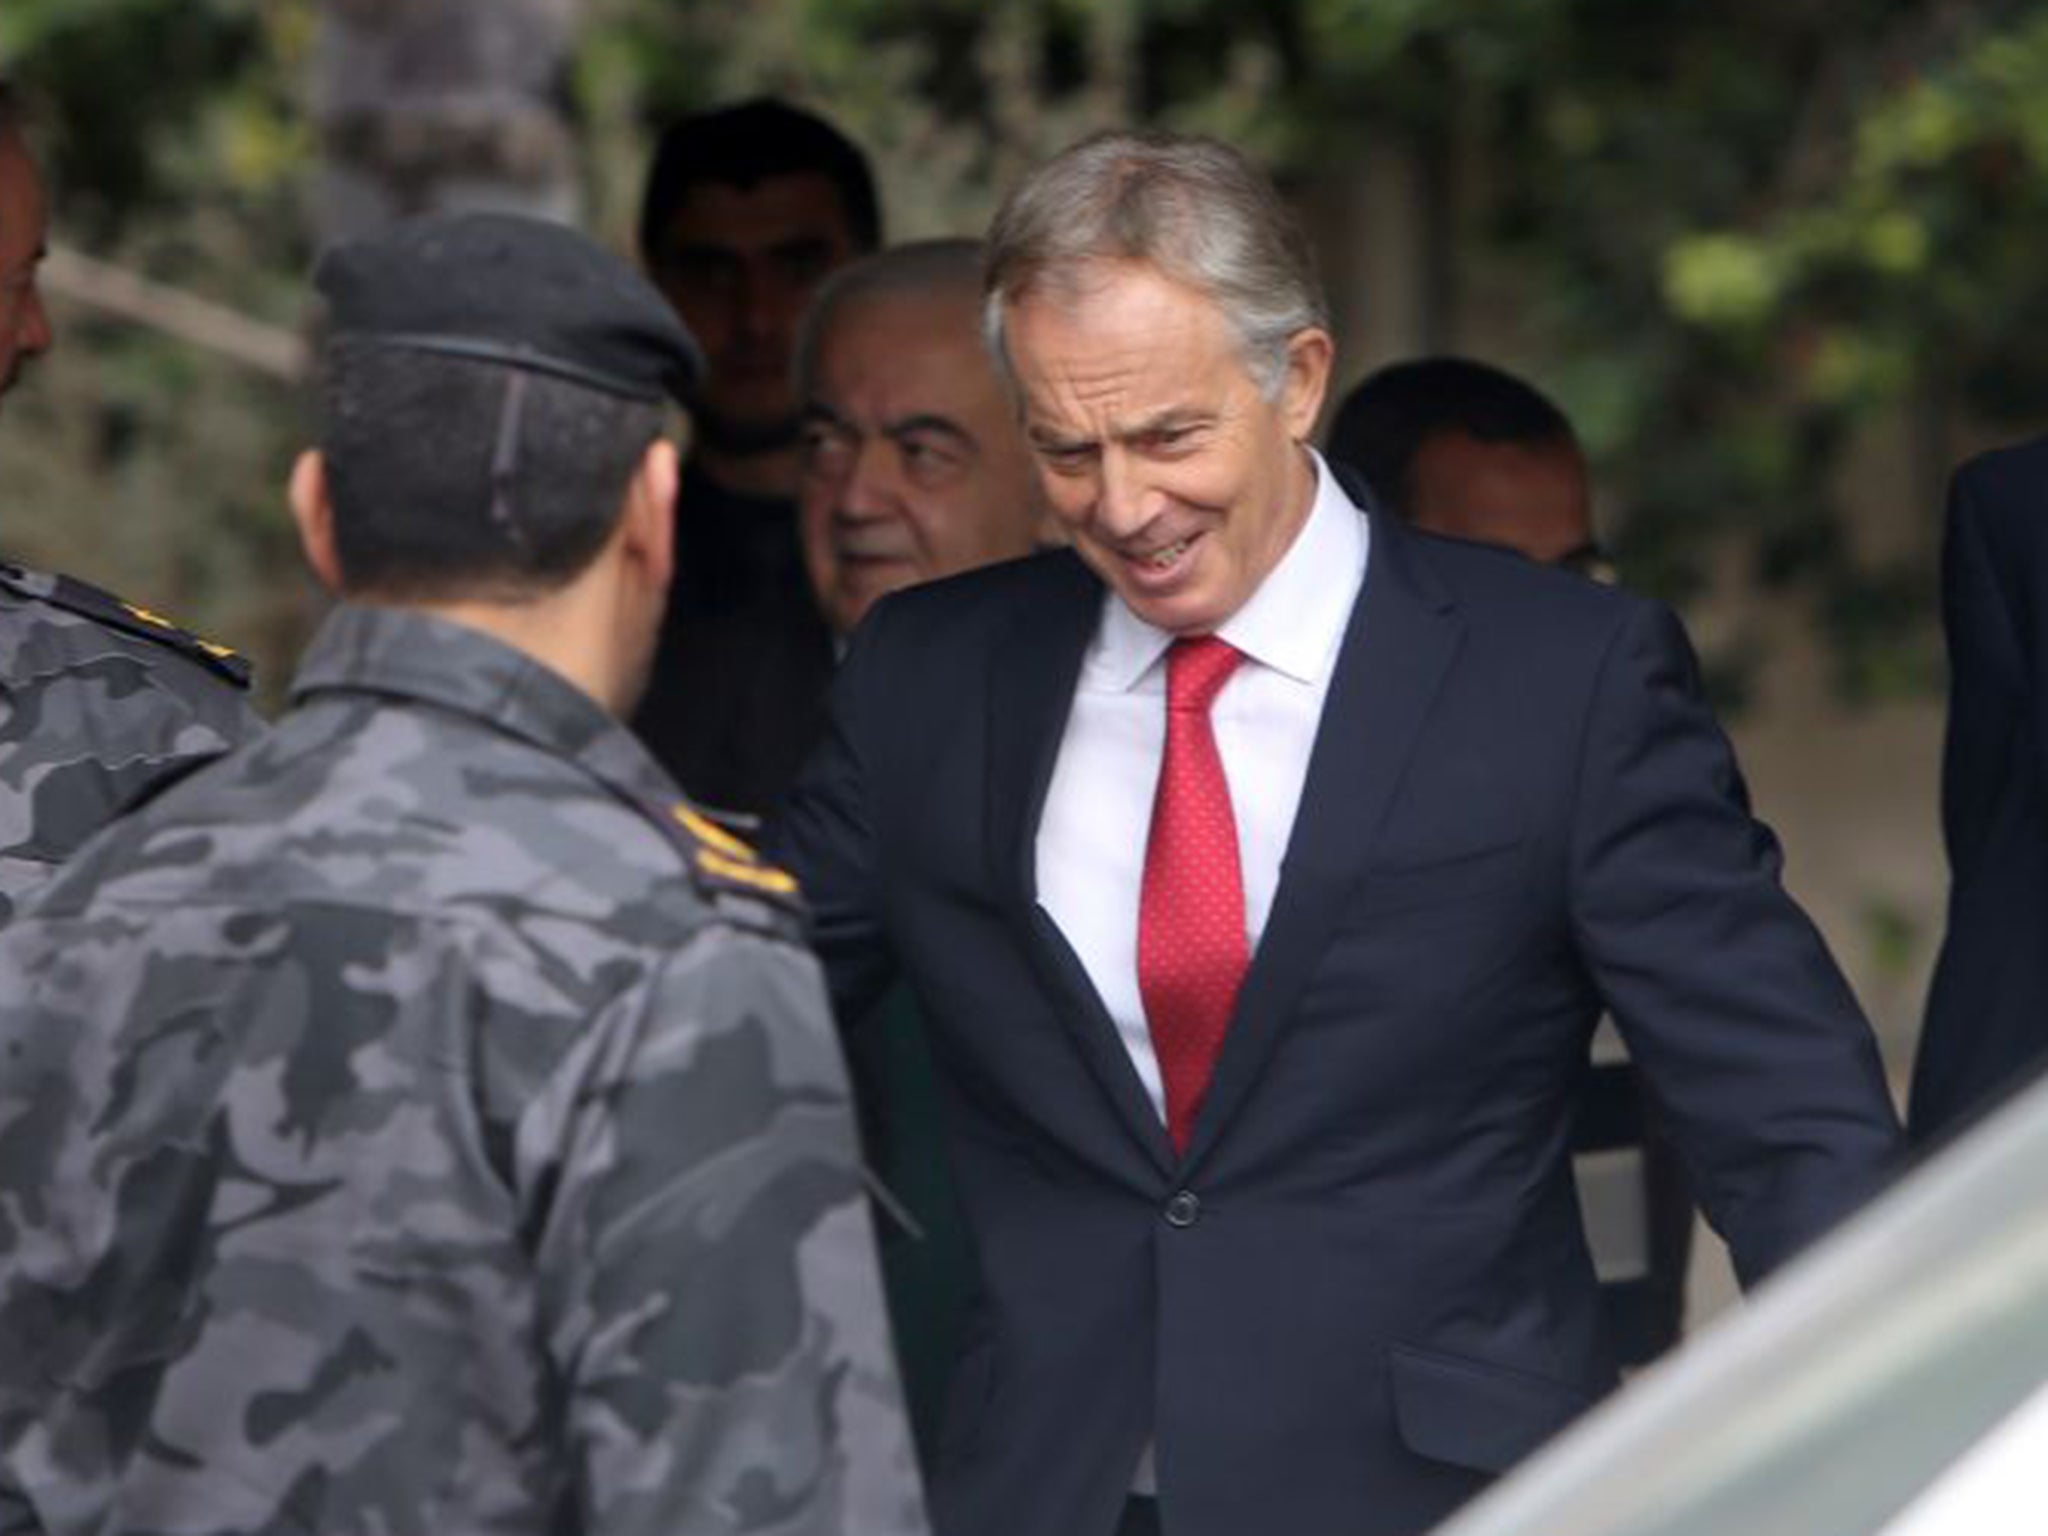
[1987, 1015]
[1262, 867]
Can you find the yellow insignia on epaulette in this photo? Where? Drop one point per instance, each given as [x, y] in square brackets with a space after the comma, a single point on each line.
[111, 612]
[762, 877]
[706, 830]
[724, 856]
[157, 621]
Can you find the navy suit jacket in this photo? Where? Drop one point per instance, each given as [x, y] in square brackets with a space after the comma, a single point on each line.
[1987, 1014]
[1364, 1290]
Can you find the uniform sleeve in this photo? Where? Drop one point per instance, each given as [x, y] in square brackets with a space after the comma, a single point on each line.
[825, 837]
[93, 721]
[706, 1263]
[1731, 1005]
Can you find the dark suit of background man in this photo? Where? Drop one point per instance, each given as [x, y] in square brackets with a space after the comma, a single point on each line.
[1987, 1015]
[747, 210]
[1262, 1025]
[1462, 448]
[100, 700]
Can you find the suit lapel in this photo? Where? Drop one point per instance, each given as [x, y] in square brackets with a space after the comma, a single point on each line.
[1032, 675]
[1398, 644]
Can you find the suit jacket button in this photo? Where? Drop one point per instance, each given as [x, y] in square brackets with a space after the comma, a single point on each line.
[1183, 1210]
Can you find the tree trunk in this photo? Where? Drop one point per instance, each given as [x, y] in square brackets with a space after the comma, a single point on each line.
[432, 104]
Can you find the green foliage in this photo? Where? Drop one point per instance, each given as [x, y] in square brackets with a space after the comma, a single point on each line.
[1742, 242]
[175, 147]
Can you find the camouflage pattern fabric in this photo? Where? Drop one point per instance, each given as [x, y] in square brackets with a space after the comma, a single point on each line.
[93, 714]
[410, 1125]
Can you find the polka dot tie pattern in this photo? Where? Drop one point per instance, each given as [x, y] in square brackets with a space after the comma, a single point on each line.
[1192, 951]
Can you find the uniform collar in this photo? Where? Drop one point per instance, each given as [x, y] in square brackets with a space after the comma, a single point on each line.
[401, 653]
[1295, 621]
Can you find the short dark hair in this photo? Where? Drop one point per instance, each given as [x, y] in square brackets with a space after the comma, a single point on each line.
[741, 145]
[10, 107]
[444, 486]
[1384, 421]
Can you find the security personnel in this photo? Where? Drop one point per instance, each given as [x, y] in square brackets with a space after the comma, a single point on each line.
[100, 700]
[424, 1120]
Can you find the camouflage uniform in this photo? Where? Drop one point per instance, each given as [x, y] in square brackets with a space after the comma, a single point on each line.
[419, 1123]
[99, 702]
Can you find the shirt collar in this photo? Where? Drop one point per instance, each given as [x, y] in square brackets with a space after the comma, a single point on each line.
[1293, 623]
[405, 654]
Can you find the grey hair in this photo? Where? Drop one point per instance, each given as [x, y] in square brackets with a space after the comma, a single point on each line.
[918, 268]
[1194, 208]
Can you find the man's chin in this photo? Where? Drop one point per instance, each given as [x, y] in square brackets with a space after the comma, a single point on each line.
[860, 592]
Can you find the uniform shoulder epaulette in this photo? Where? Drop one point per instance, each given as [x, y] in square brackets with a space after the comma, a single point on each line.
[80, 597]
[723, 861]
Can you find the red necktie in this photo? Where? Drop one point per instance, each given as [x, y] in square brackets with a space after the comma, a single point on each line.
[1191, 938]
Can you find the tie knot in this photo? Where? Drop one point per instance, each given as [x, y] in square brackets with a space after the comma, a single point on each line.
[1196, 671]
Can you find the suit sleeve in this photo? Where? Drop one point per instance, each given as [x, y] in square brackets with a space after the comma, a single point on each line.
[1984, 1024]
[709, 1285]
[1997, 635]
[826, 836]
[1748, 1036]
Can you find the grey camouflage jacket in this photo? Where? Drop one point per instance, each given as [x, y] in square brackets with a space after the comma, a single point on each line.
[412, 1125]
[99, 702]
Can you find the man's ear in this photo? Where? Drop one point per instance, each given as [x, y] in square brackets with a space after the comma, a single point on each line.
[314, 514]
[1310, 356]
[647, 529]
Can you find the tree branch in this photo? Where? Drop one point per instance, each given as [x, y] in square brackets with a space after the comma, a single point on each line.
[200, 322]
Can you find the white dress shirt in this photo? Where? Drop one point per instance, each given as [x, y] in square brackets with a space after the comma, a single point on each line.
[1090, 851]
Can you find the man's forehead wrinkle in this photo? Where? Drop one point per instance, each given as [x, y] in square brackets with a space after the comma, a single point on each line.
[1107, 407]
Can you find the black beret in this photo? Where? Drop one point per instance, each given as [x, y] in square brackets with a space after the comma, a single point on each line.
[515, 291]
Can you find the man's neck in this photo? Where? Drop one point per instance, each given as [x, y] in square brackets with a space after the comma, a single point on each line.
[556, 630]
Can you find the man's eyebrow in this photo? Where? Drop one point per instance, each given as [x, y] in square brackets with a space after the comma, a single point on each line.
[1048, 438]
[818, 412]
[928, 421]
[1173, 419]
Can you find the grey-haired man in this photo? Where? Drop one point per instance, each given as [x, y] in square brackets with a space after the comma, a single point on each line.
[1263, 866]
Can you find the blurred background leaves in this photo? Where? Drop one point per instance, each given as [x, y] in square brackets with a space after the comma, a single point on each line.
[1741, 242]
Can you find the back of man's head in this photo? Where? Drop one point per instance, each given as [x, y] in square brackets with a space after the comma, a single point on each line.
[1381, 425]
[411, 444]
[488, 390]
[748, 143]
[1460, 447]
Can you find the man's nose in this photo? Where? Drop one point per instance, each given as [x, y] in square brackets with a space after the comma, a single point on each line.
[1124, 502]
[763, 307]
[872, 485]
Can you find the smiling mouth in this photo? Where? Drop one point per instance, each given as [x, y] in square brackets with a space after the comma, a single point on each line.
[1165, 558]
[868, 554]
